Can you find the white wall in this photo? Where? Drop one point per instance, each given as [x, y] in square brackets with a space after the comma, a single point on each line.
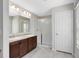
[33, 24]
[5, 28]
[77, 32]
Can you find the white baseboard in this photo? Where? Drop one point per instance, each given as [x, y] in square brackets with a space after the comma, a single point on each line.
[44, 45]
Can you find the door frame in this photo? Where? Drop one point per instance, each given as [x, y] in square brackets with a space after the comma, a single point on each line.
[53, 25]
[75, 27]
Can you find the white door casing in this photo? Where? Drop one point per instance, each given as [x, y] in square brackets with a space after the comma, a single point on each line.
[64, 30]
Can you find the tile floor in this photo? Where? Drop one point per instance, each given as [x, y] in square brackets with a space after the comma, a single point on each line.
[44, 52]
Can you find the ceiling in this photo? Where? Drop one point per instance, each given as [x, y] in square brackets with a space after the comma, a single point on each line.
[41, 7]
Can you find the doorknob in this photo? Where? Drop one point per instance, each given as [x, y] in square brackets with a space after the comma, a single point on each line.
[56, 33]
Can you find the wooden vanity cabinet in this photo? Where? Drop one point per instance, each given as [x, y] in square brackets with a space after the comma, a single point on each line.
[22, 47]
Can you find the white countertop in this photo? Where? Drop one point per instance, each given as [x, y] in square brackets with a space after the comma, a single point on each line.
[12, 39]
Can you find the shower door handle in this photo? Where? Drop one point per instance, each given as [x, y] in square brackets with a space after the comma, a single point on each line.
[41, 38]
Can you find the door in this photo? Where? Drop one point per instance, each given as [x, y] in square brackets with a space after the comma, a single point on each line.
[64, 31]
[77, 31]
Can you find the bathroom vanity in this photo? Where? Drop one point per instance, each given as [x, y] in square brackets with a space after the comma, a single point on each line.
[20, 46]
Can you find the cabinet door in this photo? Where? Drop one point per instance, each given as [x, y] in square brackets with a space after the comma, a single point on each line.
[32, 43]
[14, 49]
[24, 47]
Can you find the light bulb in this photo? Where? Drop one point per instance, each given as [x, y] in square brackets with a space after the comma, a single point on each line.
[29, 15]
[24, 12]
[17, 9]
[13, 6]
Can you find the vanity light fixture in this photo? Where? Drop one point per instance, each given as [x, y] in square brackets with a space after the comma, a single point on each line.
[21, 11]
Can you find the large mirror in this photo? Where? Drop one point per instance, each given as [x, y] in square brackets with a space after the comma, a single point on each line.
[19, 24]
